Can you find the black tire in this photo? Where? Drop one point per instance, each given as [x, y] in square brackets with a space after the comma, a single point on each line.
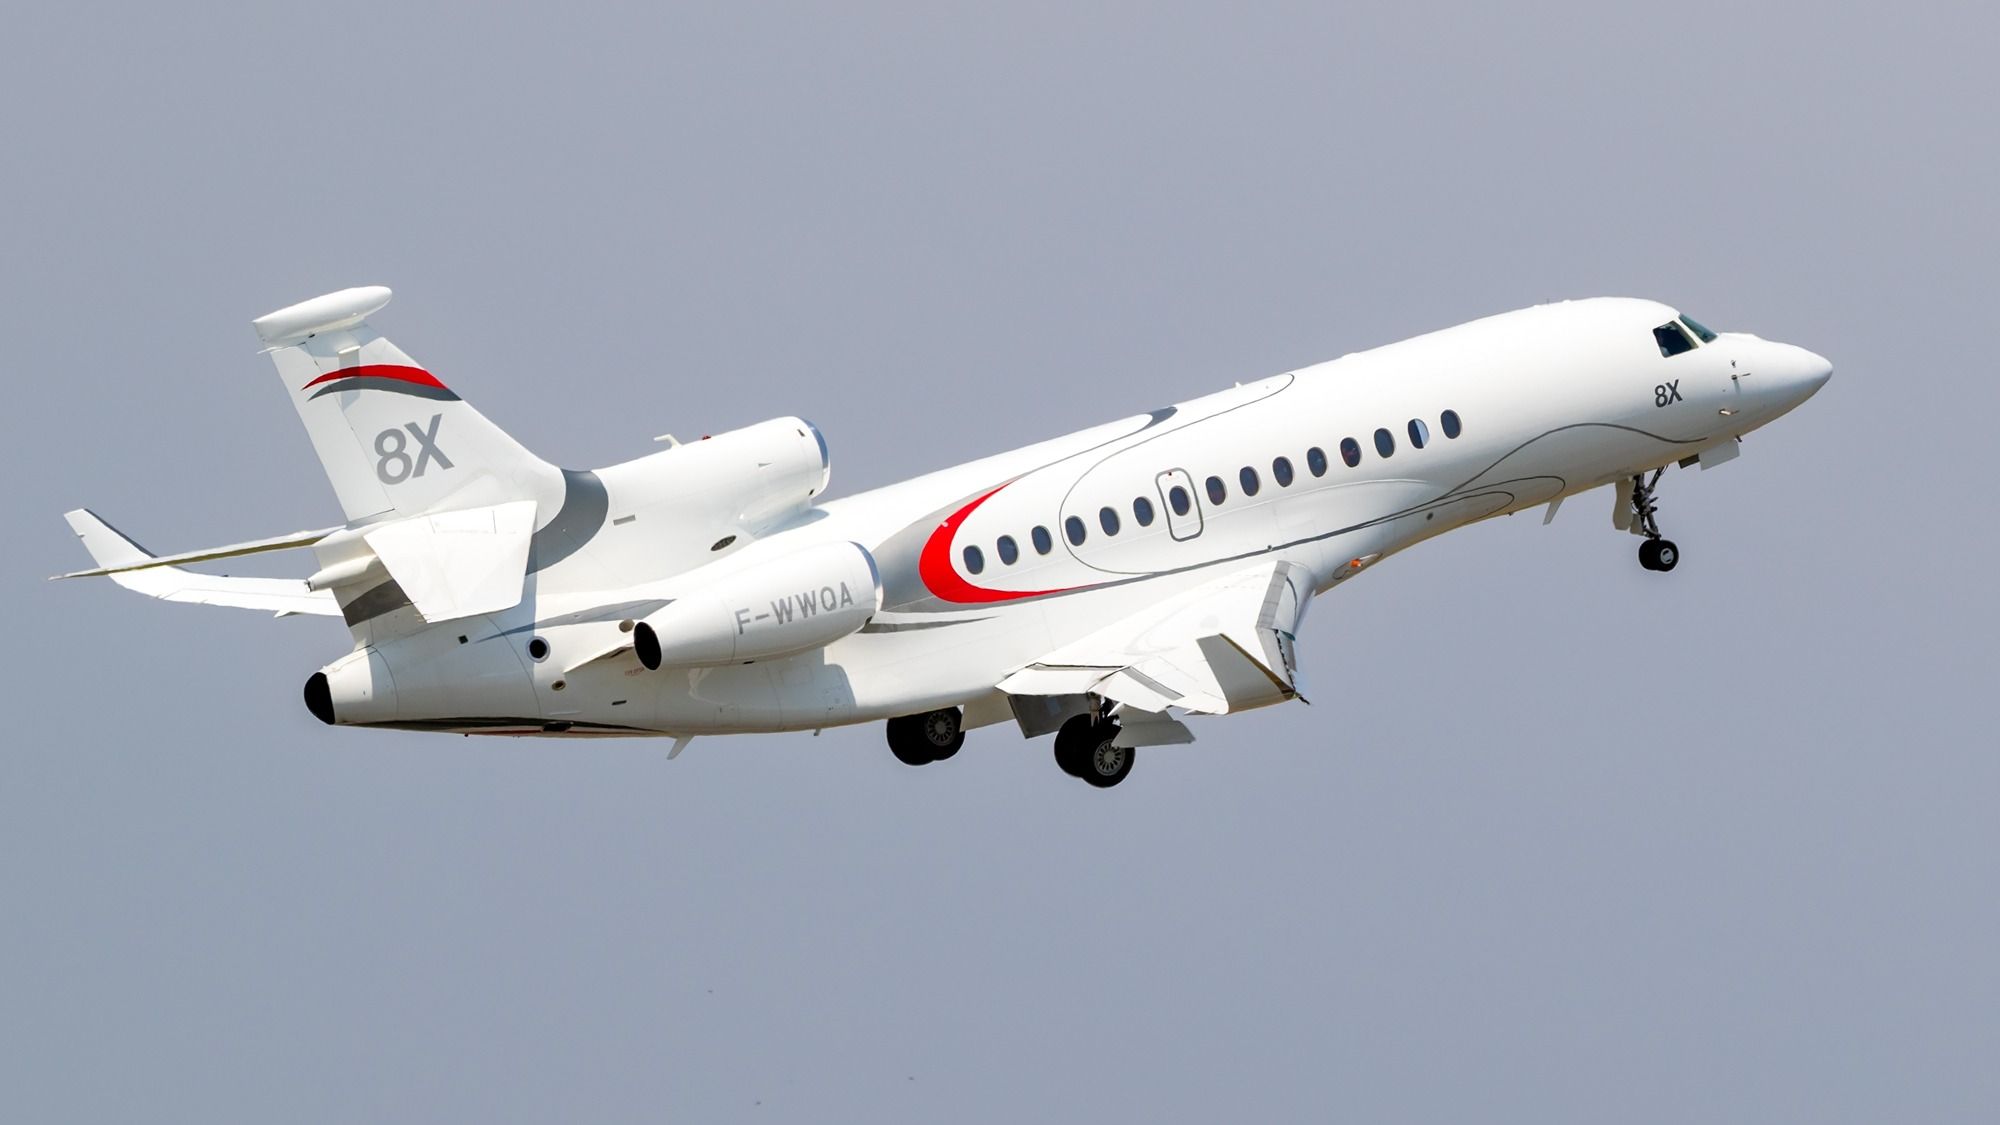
[1649, 554]
[1667, 556]
[941, 732]
[1107, 765]
[1073, 745]
[906, 741]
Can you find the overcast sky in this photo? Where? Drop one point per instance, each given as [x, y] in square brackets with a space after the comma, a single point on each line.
[1559, 840]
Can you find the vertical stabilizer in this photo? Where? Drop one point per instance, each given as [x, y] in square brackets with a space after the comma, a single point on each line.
[395, 441]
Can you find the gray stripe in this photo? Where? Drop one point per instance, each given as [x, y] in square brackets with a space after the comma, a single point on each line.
[375, 383]
[585, 504]
[906, 626]
[386, 598]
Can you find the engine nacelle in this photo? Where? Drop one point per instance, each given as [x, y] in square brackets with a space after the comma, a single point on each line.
[791, 604]
[748, 478]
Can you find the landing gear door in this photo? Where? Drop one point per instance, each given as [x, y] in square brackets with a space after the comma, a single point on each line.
[1183, 507]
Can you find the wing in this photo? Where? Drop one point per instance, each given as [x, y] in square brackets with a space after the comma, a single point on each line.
[130, 566]
[1224, 646]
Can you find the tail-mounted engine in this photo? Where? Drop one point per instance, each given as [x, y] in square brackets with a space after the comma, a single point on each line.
[791, 604]
[743, 480]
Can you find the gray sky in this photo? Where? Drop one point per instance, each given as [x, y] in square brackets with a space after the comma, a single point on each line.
[1560, 840]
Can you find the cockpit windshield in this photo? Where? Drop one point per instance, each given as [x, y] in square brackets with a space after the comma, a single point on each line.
[1698, 328]
[1673, 339]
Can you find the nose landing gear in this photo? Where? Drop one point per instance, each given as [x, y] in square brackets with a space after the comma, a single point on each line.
[1656, 553]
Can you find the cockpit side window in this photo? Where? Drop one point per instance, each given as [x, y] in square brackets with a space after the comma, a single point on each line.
[1673, 339]
[1698, 328]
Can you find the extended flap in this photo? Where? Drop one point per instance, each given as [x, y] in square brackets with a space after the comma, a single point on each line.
[1223, 646]
[456, 564]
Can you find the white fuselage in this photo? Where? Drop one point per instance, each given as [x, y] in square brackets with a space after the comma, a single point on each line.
[1482, 419]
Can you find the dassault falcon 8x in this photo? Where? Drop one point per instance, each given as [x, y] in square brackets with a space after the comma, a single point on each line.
[1097, 586]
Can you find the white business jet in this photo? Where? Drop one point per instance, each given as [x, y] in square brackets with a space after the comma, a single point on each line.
[1097, 586]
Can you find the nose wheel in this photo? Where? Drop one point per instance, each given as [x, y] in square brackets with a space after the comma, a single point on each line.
[1657, 552]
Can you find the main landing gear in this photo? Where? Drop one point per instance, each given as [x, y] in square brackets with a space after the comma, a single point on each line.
[918, 740]
[1084, 749]
[1656, 553]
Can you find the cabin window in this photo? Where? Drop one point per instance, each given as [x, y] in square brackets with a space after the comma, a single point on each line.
[1073, 527]
[1673, 339]
[1179, 498]
[975, 560]
[1281, 471]
[1007, 549]
[1316, 461]
[1108, 520]
[1043, 541]
[1350, 451]
[1216, 493]
[1448, 422]
[1142, 510]
[1419, 433]
[1385, 442]
[1249, 478]
[1698, 328]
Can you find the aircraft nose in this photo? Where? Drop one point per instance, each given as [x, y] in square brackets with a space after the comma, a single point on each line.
[1818, 368]
[1800, 374]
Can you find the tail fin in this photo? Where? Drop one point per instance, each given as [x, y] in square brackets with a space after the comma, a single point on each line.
[392, 437]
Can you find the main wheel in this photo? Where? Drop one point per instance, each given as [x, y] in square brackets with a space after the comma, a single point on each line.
[1108, 764]
[943, 732]
[906, 741]
[1667, 556]
[1073, 745]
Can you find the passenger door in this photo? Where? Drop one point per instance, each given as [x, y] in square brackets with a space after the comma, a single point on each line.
[1183, 507]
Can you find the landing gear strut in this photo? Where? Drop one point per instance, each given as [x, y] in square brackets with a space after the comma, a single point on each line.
[1656, 553]
[1084, 749]
[918, 740]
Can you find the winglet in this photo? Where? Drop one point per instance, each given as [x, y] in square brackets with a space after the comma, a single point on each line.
[108, 547]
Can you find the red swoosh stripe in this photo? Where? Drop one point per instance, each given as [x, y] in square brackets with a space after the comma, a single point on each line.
[401, 373]
[940, 578]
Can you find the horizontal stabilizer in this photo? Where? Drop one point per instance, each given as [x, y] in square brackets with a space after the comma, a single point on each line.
[128, 564]
[143, 561]
[458, 564]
